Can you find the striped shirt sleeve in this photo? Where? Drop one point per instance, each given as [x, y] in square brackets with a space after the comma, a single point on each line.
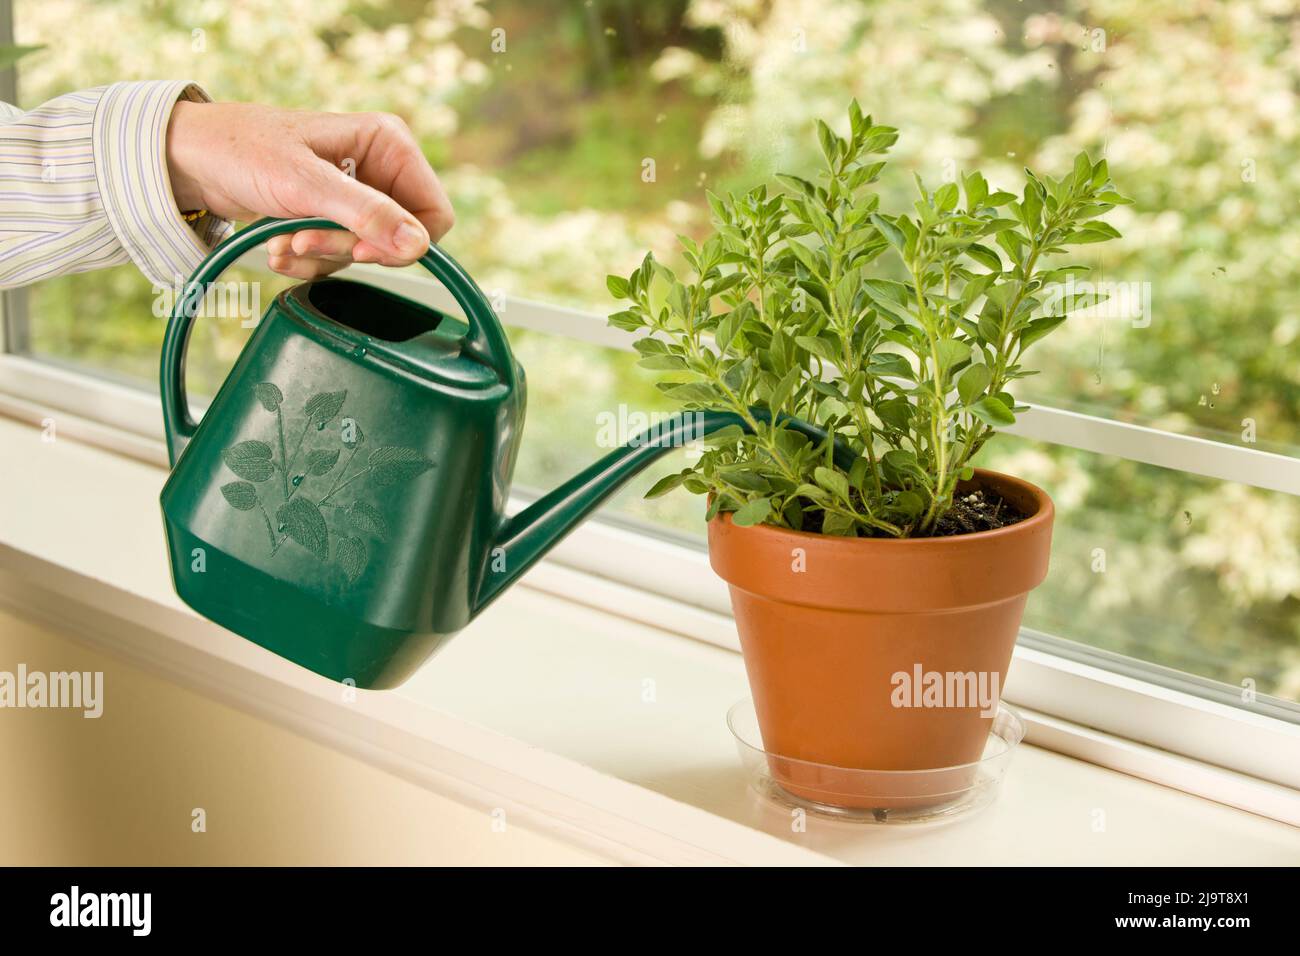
[84, 184]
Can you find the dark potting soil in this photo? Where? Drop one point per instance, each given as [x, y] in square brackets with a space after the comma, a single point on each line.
[978, 510]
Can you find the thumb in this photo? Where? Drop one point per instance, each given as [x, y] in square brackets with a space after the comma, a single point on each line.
[388, 234]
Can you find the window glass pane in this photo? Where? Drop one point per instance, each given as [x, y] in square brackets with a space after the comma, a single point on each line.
[111, 323]
[1187, 572]
[572, 137]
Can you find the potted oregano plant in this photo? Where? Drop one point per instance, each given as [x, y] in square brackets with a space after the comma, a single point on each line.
[879, 553]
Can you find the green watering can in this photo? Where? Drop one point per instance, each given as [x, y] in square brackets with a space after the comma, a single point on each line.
[343, 501]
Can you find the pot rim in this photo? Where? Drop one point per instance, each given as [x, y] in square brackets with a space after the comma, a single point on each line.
[1043, 515]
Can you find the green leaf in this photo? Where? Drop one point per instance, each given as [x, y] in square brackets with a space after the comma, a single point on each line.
[627, 320]
[744, 475]
[303, 522]
[320, 462]
[973, 382]
[890, 365]
[819, 347]
[392, 464]
[895, 412]
[724, 436]
[952, 352]
[1036, 329]
[650, 346]
[322, 407]
[833, 481]
[858, 472]
[910, 503]
[785, 388]
[899, 464]
[367, 518]
[1082, 170]
[796, 184]
[806, 257]
[889, 230]
[241, 495]
[249, 459]
[618, 286]
[812, 492]
[993, 412]
[986, 257]
[726, 331]
[889, 296]
[1092, 232]
[837, 524]
[698, 392]
[945, 197]
[752, 512]
[663, 363]
[268, 395]
[990, 324]
[830, 143]
[667, 484]
[351, 555]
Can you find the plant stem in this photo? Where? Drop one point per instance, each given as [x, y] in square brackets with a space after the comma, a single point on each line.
[343, 471]
[336, 490]
[288, 465]
[269, 530]
[284, 468]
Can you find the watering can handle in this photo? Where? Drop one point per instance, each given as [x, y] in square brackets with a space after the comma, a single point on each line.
[486, 338]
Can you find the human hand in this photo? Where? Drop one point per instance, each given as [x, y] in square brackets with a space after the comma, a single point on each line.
[243, 161]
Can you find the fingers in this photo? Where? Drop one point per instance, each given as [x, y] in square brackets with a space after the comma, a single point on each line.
[388, 234]
[396, 165]
[311, 253]
[386, 160]
[322, 244]
[296, 267]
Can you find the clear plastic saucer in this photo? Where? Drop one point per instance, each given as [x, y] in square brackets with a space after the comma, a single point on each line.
[938, 795]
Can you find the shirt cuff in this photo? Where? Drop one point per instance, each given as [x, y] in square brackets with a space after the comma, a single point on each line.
[129, 137]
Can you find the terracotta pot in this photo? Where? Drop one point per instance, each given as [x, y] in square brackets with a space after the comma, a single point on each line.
[828, 624]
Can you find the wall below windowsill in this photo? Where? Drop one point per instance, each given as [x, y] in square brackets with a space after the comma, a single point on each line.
[593, 728]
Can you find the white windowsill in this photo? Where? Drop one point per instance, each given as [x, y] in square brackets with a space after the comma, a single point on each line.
[538, 707]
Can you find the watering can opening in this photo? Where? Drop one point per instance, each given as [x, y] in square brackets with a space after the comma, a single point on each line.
[370, 310]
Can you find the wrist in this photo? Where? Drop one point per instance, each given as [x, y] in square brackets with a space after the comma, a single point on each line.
[184, 154]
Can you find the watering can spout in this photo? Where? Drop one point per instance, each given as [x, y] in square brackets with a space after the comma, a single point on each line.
[526, 537]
